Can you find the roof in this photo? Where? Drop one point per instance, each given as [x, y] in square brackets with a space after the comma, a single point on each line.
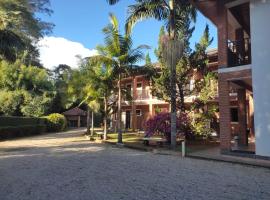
[75, 112]
[212, 51]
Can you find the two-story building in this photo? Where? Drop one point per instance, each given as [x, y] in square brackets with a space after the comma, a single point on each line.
[144, 105]
[243, 69]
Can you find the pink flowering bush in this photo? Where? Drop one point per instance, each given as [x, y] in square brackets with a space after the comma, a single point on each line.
[160, 124]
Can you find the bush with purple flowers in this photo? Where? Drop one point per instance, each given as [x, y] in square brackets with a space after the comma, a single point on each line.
[160, 124]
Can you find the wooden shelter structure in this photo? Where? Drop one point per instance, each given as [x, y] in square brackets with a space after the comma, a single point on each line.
[76, 117]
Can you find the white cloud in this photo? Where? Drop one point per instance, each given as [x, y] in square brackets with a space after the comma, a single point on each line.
[57, 50]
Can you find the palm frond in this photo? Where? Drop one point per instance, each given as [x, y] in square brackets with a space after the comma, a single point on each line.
[143, 9]
[112, 2]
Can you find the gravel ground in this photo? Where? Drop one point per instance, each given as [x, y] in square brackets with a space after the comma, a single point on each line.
[65, 166]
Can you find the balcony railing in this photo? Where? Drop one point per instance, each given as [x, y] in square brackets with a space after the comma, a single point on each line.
[239, 52]
[142, 94]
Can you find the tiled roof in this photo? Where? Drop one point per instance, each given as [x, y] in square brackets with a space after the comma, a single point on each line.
[75, 112]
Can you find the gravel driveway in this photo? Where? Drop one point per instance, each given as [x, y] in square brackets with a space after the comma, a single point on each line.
[65, 166]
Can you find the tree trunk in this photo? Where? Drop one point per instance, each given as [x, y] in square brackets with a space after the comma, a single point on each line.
[88, 121]
[182, 97]
[173, 76]
[92, 124]
[119, 111]
[105, 118]
[172, 20]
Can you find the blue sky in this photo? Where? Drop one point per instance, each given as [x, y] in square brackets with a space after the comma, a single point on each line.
[82, 21]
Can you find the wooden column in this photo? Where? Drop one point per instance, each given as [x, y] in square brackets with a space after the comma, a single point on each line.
[133, 112]
[224, 88]
[240, 46]
[251, 115]
[222, 35]
[151, 110]
[242, 116]
[225, 114]
[79, 121]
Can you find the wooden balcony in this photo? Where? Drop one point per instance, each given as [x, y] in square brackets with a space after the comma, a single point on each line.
[239, 52]
[143, 94]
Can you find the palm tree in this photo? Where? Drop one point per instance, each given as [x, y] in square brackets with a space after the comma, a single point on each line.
[118, 53]
[82, 88]
[112, 2]
[173, 13]
[102, 81]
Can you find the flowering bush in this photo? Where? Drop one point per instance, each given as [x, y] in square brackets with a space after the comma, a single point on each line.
[160, 124]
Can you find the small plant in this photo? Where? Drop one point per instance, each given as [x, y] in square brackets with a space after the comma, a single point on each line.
[201, 125]
[160, 124]
[56, 122]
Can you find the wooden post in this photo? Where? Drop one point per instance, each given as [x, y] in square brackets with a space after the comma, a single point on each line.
[88, 120]
[92, 128]
[183, 148]
[79, 121]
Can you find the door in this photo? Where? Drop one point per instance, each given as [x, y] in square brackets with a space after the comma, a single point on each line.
[128, 119]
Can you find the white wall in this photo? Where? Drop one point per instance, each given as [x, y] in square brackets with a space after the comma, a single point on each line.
[260, 43]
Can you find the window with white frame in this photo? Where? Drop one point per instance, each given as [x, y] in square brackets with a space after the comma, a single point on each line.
[191, 84]
[139, 90]
[139, 112]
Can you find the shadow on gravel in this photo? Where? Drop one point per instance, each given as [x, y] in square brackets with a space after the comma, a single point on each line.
[51, 150]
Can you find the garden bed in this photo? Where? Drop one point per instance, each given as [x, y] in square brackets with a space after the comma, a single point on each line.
[135, 140]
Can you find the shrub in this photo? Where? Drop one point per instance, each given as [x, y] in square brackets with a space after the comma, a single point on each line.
[11, 127]
[7, 132]
[56, 122]
[201, 125]
[160, 124]
[21, 121]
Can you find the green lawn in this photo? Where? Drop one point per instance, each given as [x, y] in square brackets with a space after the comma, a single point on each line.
[127, 137]
[135, 140]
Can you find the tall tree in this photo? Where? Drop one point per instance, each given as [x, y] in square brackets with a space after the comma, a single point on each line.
[80, 91]
[25, 90]
[174, 14]
[161, 86]
[148, 59]
[61, 76]
[101, 80]
[112, 2]
[192, 60]
[20, 28]
[118, 53]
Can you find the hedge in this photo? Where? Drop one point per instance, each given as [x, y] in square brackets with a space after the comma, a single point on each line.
[11, 127]
[15, 121]
[7, 132]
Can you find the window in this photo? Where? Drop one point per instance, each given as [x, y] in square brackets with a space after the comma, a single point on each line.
[234, 114]
[129, 92]
[129, 88]
[192, 85]
[139, 85]
[139, 112]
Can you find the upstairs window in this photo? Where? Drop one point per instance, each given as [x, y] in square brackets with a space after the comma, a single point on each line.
[139, 85]
[139, 112]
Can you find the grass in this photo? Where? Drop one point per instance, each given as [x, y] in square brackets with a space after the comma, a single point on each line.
[134, 140]
[127, 137]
